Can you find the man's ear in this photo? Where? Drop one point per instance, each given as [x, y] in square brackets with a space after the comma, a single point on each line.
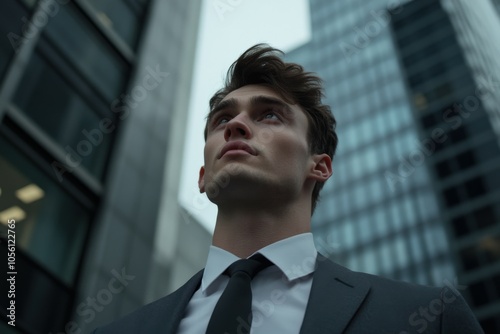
[322, 168]
[201, 180]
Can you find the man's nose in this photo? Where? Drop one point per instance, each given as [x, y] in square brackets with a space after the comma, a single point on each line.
[237, 127]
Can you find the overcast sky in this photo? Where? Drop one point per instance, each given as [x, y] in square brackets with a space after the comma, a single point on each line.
[227, 29]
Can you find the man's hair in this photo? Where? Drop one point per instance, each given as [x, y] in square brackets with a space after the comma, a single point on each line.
[262, 65]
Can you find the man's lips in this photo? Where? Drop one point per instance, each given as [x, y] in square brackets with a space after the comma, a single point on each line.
[234, 146]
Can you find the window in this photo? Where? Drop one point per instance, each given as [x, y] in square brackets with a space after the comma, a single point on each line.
[386, 256]
[375, 189]
[365, 229]
[451, 196]
[460, 226]
[401, 252]
[394, 209]
[77, 40]
[429, 121]
[492, 180]
[123, 16]
[391, 119]
[443, 169]
[458, 134]
[345, 202]
[58, 110]
[416, 247]
[360, 196]
[380, 124]
[356, 166]
[479, 293]
[487, 151]
[429, 241]
[371, 160]
[427, 203]
[45, 214]
[466, 159]
[381, 226]
[409, 213]
[350, 137]
[11, 13]
[475, 187]
[397, 214]
[440, 239]
[367, 129]
[370, 261]
[349, 234]
[484, 217]
[339, 171]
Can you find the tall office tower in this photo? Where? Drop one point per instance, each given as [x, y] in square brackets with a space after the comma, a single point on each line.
[478, 33]
[387, 210]
[453, 76]
[92, 96]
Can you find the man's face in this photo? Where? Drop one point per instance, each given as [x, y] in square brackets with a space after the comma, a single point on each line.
[256, 145]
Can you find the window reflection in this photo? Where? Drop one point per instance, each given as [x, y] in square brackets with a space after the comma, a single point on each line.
[58, 110]
[122, 16]
[96, 60]
[50, 225]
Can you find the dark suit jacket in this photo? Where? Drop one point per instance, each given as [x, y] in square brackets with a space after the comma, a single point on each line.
[341, 301]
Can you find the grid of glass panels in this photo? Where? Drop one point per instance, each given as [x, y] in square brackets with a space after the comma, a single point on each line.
[447, 76]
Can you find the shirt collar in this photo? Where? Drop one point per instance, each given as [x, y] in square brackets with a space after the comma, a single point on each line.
[217, 262]
[294, 256]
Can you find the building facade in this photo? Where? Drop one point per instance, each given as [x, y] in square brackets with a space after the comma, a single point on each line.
[387, 209]
[454, 75]
[92, 97]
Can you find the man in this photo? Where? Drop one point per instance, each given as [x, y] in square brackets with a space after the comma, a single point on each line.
[269, 148]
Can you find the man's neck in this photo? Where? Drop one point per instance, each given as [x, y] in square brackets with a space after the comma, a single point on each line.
[243, 232]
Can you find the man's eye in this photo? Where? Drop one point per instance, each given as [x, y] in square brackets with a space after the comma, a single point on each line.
[221, 120]
[271, 115]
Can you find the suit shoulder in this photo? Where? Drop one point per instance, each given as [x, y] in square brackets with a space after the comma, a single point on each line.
[384, 286]
[132, 322]
[400, 288]
[425, 308]
[155, 315]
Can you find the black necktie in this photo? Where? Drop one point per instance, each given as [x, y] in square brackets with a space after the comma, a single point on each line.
[233, 312]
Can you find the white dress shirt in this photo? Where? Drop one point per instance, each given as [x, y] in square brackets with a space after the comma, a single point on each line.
[280, 292]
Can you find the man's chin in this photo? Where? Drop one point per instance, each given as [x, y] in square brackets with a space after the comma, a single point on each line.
[233, 167]
[234, 178]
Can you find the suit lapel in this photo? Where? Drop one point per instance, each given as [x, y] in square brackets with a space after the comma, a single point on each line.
[176, 303]
[336, 294]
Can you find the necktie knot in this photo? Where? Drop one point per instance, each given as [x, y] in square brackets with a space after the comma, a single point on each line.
[249, 266]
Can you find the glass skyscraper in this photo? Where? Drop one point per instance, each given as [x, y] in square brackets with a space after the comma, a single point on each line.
[89, 91]
[414, 194]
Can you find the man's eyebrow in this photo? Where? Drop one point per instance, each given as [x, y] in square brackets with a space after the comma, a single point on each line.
[225, 104]
[254, 101]
[262, 99]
